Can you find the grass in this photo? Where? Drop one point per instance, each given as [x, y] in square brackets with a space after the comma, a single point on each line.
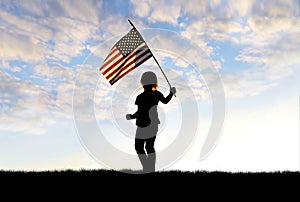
[112, 173]
[96, 181]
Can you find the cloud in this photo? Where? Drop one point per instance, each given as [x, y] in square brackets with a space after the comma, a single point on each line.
[69, 38]
[243, 8]
[267, 71]
[183, 51]
[233, 9]
[272, 47]
[195, 7]
[114, 25]
[92, 95]
[86, 11]
[29, 107]
[264, 27]
[211, 30]
[141, 8]
[24, 25]
[157, 11]
[268, 37]
[19, 47]
[245, 83]
[23, 105]
[269, 64]
[164, 11]
[277, 8]
[20, 39]
[56, 34]
[47, 35]
[250, 55]
[203, 10]
[61, 81]
[268, 25]
[62, 104]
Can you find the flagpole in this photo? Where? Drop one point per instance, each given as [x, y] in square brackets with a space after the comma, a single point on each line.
[155, 60]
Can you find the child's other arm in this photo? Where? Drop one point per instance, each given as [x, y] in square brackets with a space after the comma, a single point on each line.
[132, 116]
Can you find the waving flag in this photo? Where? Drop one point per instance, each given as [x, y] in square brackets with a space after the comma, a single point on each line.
[126, 55]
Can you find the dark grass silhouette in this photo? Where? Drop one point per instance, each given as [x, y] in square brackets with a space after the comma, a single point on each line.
[131, 173]
[99, 182]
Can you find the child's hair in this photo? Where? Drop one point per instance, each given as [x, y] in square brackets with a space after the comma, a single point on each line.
[154, 87]
[149, 78]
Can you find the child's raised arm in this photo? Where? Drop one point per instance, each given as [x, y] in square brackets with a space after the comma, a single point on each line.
[167, 99]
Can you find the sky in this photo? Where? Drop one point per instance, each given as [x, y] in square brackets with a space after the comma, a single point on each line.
[238, 57]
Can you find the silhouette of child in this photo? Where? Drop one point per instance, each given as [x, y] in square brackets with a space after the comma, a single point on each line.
[147, 119]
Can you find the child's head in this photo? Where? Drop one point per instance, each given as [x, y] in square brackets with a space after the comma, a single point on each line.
[149, 79]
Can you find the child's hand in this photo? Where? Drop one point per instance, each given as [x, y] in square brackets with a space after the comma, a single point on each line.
[173, 90]
[128, 117]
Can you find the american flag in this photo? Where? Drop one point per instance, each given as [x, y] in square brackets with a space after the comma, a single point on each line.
[127, 54]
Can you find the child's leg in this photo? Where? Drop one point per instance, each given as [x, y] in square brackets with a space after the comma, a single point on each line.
[151, 154]
[150, 145]
[139, 148]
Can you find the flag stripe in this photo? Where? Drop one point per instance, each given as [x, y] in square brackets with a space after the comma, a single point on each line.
[116, 66]
[132, 65]
[114, 69]
[108, 58]
[130, 69]
[127, 54]
[117, 56]
[131, 60]
[119, 61]
[136, 63]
